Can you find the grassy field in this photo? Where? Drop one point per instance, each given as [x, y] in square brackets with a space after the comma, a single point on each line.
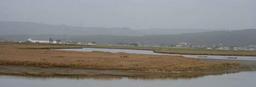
[191, 51]
[188, 51]
[30, 55]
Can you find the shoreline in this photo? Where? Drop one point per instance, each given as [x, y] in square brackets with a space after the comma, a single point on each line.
[32, 71]
[253, 55]
[81, 73]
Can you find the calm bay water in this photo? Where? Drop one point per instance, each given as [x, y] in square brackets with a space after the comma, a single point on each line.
[243, 79]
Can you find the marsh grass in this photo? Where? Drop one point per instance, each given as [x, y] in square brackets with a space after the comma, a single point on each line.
[12, 55]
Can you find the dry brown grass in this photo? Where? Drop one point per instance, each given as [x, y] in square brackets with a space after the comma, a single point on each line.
[15, 54]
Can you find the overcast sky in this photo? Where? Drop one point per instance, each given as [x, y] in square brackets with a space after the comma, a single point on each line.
[172, 14]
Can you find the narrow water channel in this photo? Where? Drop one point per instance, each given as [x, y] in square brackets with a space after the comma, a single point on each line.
[149, 52]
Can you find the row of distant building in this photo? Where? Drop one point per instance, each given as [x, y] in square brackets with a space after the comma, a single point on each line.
[52, 41]
[179, 45]
[216, 47]
[188, 45]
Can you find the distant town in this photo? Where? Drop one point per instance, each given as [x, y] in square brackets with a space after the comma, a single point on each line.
[137, 44]
[52, 41]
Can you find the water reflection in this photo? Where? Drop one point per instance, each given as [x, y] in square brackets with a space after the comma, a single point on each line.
[243, 79]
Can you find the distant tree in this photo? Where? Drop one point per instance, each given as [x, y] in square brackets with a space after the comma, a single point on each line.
[50, 40]
[93, 42]
[134, 44]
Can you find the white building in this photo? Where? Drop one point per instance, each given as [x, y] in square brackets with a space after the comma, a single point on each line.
[223, 48]
[41, 41]
[182, 45]
[91, 43]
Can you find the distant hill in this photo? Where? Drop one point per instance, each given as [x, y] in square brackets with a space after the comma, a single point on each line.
[23, 30]
[28, 28]
[229, 38]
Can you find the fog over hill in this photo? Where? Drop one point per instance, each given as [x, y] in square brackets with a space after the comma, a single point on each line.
[24, 30]
[28, 28]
